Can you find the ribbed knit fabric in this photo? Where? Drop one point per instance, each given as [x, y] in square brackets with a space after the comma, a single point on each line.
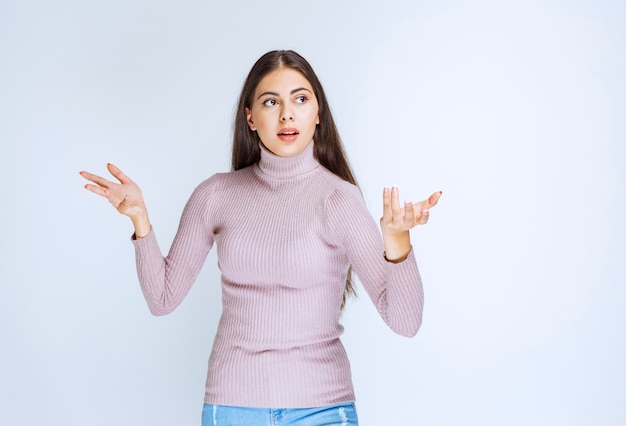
[286, 231]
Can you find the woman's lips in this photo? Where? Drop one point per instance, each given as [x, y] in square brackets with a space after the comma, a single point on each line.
[288, 135]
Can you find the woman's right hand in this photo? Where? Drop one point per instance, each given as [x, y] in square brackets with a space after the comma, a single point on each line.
[125, 196]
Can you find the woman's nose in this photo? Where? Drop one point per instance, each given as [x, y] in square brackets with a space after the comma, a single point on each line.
[287, 114]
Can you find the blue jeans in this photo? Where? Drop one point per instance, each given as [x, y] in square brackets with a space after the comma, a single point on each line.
[343, 414]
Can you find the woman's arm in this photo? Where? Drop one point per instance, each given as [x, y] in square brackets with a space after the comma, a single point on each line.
[395, 285]
[165, 281]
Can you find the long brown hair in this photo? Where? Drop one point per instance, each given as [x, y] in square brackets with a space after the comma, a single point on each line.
[327, 146]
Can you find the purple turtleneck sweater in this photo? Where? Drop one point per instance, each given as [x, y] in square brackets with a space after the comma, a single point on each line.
[286, 230]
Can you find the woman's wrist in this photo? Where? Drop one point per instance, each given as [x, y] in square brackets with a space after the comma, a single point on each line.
[397, 246]
[142, 225]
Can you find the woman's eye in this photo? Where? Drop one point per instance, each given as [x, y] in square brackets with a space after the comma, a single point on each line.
[270, 102]
[301, 99]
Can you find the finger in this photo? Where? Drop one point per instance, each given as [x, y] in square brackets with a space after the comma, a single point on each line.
[386, 202]
[422, 218]
[96, 179]
[96, 189]
[122, 202]
[409, 212]
[117, 173]
[428, 203]
[434, 198]
[396, 211]
[116, 198]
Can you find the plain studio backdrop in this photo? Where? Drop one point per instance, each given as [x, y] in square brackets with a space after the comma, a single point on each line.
[515, 110]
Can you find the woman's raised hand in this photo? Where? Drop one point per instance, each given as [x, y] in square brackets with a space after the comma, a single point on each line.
[125, 196]
[398, 219]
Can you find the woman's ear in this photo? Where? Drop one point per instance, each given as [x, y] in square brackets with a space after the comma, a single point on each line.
[249, 119]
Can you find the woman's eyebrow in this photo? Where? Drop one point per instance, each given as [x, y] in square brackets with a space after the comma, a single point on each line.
[299, 89]
[276, 94]
[267, 93]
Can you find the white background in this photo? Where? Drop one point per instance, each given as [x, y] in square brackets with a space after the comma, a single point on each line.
[516, 110]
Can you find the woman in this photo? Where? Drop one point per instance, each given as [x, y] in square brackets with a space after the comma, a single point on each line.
[289, 224]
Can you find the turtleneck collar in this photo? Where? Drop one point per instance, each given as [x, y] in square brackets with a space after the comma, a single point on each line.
[283, 167]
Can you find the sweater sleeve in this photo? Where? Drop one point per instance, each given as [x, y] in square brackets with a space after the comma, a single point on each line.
[394, 288]
[165, 281]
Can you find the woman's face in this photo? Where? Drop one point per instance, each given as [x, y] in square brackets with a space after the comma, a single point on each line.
[284, 112]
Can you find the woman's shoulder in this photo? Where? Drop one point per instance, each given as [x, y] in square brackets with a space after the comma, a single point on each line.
[339, 191]
[337, 184]
[220, 182]
[226, 178]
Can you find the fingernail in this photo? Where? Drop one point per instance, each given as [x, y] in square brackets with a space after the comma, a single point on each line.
[425, 212]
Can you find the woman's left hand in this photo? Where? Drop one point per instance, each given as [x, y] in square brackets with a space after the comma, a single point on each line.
[397, 220]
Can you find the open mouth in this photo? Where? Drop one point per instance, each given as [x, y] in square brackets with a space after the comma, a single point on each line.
[288, 132]
[288, 135]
